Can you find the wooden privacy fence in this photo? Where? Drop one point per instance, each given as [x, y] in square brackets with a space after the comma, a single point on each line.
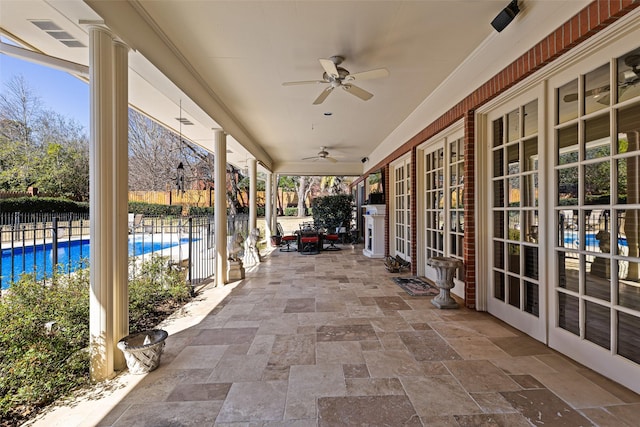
[202, 198]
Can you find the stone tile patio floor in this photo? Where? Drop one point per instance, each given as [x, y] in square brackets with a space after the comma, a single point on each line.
[331, 340]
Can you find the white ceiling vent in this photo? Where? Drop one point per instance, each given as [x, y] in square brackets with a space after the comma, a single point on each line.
[184, 121]
[57, 33]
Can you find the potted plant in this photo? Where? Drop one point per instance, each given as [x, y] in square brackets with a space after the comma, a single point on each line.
[276, 239]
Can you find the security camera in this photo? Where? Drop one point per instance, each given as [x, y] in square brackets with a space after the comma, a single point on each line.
[364, 159]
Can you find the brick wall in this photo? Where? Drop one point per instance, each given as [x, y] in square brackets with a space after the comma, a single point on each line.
[593, 18]
[414, 211]
[469, 244]
[387, 179]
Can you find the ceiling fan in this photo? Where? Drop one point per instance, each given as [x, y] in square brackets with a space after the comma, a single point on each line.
[629, 78]
[323, 154]
[336, 76]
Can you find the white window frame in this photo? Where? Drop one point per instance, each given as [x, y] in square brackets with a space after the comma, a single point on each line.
[610, 43]
[405, 163]
[440, 141]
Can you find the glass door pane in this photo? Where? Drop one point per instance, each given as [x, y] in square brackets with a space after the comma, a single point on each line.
[597, 177]
[515, 215]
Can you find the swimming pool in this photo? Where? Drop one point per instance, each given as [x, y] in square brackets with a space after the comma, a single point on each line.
[572, 238]
[71, 254]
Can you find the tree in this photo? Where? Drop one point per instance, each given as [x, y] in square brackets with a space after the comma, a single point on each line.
[244, 184]
[39, 147]
[155, 153]
[333, 185]
[303, 187]
[63, 168]
[286, 183]
[20, 106]
[19, 111]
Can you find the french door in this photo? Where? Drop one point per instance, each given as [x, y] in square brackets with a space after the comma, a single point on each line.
[515, 294]
[401, 241]
[443, 208]
[560, 203]
[596, 215]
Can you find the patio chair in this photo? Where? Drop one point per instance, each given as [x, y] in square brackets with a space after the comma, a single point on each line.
[309, 239]
[137, 223]
[332, 239]
[310, 243]
[286, 240]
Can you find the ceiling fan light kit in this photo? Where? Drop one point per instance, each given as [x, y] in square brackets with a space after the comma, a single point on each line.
[336, 76]
[323, 154]
[632, 76]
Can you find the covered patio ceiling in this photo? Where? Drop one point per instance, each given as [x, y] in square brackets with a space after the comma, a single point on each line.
[224, 63]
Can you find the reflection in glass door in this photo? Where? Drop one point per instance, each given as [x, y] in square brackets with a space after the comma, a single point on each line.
[434, 203]
[597, 214]
[515, 295]
[444, 207]
[402, 209]
[455, 205]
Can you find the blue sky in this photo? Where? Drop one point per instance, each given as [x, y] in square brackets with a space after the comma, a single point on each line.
[58, 91]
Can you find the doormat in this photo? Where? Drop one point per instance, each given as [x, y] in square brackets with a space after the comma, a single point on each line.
[416, 287]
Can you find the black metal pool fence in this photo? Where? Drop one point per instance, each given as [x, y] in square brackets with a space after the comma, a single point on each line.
[38, 244]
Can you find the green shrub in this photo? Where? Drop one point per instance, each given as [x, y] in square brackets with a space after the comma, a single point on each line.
[200, 211]
[154, 288]
[152, 209]
[290, 211]
[42, 204]
[333, 211]
[44, 332]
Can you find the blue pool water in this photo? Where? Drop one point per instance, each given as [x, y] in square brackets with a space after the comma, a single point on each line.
[590, 240]
[39, 258]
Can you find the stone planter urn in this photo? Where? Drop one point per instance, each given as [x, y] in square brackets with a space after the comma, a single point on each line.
[276, 240]
[142, 351]
[445, 270]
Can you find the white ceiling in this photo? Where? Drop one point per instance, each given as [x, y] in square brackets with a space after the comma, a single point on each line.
[225, 62]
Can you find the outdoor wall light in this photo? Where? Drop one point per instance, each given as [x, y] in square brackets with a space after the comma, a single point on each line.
[505, 17]
[180, 177]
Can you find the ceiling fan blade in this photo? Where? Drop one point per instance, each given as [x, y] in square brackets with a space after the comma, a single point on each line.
[310, 158]
[331, 159]
[304, 82]
[368, 75]
[604, 100]
[359, 92]
[602, 90]
[329, 67]
[630, 76]
[323, 95]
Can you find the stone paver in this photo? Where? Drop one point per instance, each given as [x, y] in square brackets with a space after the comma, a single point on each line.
[331, 340]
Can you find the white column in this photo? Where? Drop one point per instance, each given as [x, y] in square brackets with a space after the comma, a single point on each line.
[274, 201]
[101, 169]
[268, 209]
[253, 192]
[220, 205]
[120, 195]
